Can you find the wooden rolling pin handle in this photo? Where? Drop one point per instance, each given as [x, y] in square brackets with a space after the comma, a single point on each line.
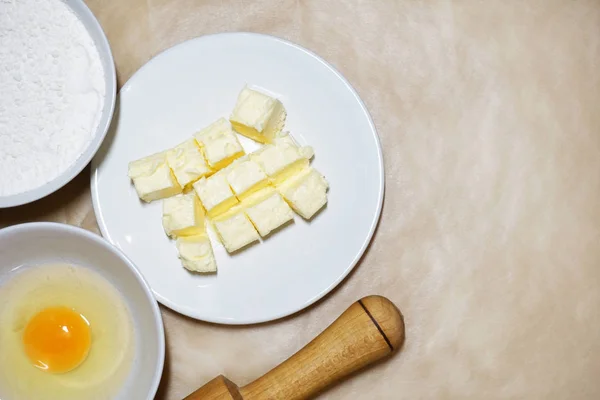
[369, 330]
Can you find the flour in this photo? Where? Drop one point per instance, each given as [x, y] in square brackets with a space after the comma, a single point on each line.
[51, 92]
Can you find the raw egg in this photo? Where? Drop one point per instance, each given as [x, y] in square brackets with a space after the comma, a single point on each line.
[65, 333]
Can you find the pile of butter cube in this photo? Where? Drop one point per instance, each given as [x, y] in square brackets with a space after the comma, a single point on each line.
[210, 180]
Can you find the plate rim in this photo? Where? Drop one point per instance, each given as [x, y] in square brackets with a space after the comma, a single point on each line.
[374, 223]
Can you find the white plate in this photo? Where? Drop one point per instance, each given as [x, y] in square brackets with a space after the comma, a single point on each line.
[189, 86]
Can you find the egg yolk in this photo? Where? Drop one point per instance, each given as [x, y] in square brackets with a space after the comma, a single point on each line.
[57, 339]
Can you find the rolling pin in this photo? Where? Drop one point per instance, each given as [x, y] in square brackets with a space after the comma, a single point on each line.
[369, 330]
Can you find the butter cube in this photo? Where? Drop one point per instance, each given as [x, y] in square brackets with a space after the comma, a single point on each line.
[152, 178]
[215, 194]
[234, 229]
[258, 116]
[187, 162]
[196, 253]
[245, 177]
[282, 158]
[219, 143]
[306, 192]
[267, 210]
[183, 215]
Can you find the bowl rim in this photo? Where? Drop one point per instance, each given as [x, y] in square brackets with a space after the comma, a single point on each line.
[90, 22]
[158, 322]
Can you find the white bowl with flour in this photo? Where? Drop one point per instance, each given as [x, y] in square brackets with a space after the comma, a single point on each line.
[59, 85]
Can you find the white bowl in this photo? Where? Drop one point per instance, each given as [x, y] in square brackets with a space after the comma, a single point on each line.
[110, 78]
[46, 242]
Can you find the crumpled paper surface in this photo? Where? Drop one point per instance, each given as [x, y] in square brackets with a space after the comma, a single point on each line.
[489, 239]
